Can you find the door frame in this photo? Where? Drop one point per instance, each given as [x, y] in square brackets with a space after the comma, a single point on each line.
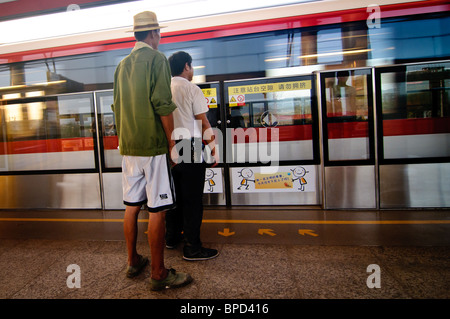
[350, 183]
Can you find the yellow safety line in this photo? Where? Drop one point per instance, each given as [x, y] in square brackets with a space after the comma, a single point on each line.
[328, 222]
[244, 221]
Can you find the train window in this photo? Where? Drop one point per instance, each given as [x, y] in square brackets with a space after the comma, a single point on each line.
[329, 46]
[404, 38]
[266, 111]
[5, 77]
[48, 133]
[274, 52]
[86, 72]
[347, 113]
[35, 73]
[282, 50]
[415, 103]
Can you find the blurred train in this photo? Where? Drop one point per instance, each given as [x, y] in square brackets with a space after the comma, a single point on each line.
[329, 104]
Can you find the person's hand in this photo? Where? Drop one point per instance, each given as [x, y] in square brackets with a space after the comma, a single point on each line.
[215, 156]
[173, 154]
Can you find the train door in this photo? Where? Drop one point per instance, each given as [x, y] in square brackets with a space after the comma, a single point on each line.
[272, 141]
[48, 149]
[109, 156]
[413, 112]
[215, 177]
[350, 173]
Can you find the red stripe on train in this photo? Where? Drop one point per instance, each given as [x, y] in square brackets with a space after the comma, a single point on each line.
[47, 146]
[267, 134]
[247, 135]
[416, 126]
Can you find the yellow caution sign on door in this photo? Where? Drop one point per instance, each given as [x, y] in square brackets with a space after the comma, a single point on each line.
[211, 97]
[237, 93]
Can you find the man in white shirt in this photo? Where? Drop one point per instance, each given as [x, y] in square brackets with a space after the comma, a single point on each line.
[190, 126]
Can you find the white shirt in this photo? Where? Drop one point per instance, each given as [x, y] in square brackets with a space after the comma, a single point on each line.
[190, 101]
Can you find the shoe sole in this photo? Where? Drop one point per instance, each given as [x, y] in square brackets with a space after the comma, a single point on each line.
[185, 283]
[200, 258]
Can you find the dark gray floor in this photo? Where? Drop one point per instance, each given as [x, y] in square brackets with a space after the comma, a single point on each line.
[328, 260]
[38, 269]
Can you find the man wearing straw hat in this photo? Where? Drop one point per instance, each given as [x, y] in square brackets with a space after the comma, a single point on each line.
[143, 112]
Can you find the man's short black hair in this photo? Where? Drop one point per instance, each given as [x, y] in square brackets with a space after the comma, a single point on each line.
[177, 62]
[141, 35]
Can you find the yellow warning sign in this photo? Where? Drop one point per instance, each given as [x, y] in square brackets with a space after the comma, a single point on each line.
[209, 92]
[280, 180]
[211, 97]
[270, 87]
[237, 93]
[237, 100]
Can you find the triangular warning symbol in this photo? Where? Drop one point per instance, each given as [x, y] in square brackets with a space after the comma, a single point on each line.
[233, 99]
[213, 101]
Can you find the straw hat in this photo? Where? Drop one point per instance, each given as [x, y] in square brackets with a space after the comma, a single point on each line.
[145, 21]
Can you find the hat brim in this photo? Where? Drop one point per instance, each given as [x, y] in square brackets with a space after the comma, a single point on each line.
[147, 29]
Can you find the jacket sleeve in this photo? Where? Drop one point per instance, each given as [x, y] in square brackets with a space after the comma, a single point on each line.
[161, 96]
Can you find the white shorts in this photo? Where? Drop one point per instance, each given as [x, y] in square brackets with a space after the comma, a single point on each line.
[148, 180]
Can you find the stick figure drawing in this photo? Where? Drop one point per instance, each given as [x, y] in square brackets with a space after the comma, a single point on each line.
[246, 174]
[298, 174]
[209, 178]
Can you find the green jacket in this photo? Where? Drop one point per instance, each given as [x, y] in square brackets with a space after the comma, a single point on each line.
[141, 94]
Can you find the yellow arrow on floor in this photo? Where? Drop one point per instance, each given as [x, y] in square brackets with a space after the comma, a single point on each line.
[266, 231]
[309, 232]
[226, 232]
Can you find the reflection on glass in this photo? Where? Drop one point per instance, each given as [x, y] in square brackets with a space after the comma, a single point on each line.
[237, 116]
[110, 140]
[416, 112]
[263, 107]
[341, 95]
[75, 116]
[40, 133]
[347, 113]
[211, 93]
[329, 46]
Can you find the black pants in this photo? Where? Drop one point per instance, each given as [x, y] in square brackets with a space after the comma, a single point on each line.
[189, 182]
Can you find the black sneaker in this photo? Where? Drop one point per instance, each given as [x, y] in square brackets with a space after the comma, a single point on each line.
[202, 254]
[173, 243]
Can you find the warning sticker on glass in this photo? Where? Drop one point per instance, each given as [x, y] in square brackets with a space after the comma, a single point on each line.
[237, 100]
[211, 97]
[237, 93]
